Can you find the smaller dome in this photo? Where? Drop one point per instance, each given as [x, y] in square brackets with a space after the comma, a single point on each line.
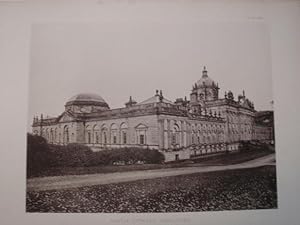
[87, 99]
[205, 79]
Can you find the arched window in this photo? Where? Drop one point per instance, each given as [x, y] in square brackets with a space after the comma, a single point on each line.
[175, 135]
[88, 134]
[124, 133]
[104, 133]
[66, 135]
[114, 133]
[141, 132]
[96, 131]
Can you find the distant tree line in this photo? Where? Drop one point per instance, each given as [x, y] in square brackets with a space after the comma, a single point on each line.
[41, 155]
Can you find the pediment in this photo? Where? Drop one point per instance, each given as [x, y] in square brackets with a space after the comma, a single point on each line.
[65, 118]
[141, 126]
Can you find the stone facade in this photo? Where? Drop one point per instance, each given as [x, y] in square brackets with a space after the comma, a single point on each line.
[205, 124]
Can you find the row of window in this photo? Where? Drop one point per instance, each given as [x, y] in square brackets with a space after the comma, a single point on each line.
[207, 140]
[196, 126]
[55, 137]
[65, 138]
[114, 138]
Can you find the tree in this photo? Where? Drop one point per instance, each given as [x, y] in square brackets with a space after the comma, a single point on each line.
[38, 154]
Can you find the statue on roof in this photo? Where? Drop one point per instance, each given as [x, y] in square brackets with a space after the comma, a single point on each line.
[230, 95]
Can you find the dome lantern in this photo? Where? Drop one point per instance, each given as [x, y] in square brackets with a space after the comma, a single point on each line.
[204, 72]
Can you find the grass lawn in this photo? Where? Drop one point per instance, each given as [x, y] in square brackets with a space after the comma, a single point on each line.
[223, 190]
[225, 159]
[232, 158]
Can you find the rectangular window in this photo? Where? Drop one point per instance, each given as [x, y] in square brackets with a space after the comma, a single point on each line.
[89, 137]
[173, 139]
[124, 138]
[97, 138]
[115, 139]
[142, 139]
[105, 138]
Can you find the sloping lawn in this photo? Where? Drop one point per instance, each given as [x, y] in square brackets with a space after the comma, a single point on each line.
[224, 190]
[233, 158]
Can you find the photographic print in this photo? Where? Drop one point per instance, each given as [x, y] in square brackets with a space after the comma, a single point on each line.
[151, 113]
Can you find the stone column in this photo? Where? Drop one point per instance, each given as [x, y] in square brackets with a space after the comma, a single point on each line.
[181, 134]
[188, 135]
[166, 140]
[184, 142]
[108, 138]
[169, 133]
[161, 133]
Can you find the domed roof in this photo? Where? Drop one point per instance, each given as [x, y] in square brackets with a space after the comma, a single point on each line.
[205, 79]
[87, 99]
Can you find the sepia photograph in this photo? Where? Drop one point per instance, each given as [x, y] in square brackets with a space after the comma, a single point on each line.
[168, 113]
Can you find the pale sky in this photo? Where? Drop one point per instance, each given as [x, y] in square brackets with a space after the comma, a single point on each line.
[117, 59]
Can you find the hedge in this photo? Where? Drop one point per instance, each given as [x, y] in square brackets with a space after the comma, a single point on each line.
[255, 145]
[126, 156]
[41, 155]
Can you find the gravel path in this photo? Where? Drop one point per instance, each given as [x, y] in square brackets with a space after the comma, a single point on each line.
[73, 181]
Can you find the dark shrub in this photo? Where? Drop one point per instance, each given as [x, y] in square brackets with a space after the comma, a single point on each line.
[41, 156]
[126, 156]
[70, 155]
[38, 154]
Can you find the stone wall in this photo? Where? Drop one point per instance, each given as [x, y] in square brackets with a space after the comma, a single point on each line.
[177, 155]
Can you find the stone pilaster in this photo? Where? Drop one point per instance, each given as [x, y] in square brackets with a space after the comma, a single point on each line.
[161, 133]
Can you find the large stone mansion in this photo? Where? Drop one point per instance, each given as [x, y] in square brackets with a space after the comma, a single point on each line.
[205, 124]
